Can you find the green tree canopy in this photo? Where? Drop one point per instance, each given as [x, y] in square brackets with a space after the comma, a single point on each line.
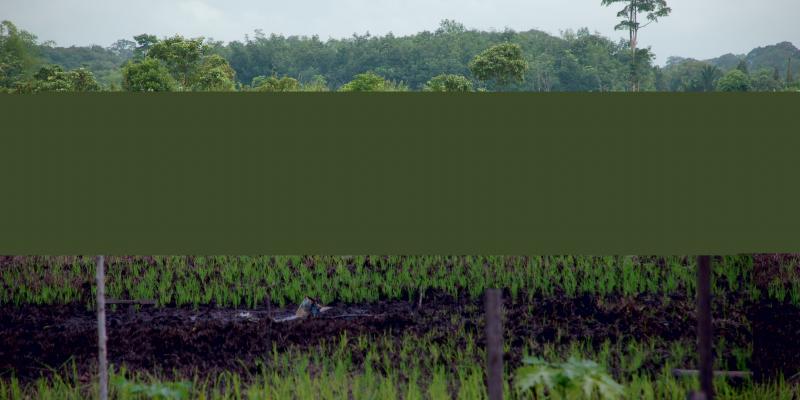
[104, 63]
[653, 10]
[689, 75]
[53, 78]
[372, 82]
[83, 80]
[275, 84]
[17, 54]
[684, 75]
[317, 84]
[123, 48]
[448, 83]
[502, 63]
[765, 80]
[214, 75]
[578, 62]
[181, 56]
[574, 61]
[143, 44]
[189, 64]
[147, 75]
[734, 81]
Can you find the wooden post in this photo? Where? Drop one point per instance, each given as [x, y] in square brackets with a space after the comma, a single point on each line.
[494, 343]
[704, 351]
[102, 364]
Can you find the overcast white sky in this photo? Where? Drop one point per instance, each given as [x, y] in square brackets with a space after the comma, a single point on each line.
[696, 28]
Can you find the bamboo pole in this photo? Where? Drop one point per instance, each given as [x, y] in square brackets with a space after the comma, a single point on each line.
[494, 343]
[704, 351]
[101, 328]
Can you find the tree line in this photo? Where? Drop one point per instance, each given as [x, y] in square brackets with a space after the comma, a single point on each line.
[450, 58]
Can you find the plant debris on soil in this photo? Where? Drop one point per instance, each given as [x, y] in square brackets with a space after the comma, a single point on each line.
[179, 339]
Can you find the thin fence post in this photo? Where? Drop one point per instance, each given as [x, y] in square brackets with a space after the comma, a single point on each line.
[704, 351]
[101, 328]
[494, 343]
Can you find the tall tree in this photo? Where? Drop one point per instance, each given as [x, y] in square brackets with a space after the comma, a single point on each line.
[652, 9]
[789, 77]
[640, 67]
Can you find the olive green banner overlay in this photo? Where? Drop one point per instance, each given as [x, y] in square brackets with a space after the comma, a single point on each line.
[399, 173]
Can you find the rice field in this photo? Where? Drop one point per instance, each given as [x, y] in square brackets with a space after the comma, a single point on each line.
[411, 368]
[254, 281]
[417, 332]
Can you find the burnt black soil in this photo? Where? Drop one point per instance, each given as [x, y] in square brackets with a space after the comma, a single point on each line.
[209, 339]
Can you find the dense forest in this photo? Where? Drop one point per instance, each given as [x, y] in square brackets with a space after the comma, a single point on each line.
[450, 58]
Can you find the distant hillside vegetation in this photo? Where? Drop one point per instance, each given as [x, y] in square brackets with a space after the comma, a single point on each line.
[104, 62]
[767, 57]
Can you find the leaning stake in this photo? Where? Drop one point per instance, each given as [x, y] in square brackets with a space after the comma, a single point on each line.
[494, 343]
[101, 328]
[704, 352]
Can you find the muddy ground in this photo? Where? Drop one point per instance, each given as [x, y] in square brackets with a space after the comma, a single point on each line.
[776, 339]
[33, 338]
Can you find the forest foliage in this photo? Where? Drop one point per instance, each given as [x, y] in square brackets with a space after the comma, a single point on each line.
[449, 58]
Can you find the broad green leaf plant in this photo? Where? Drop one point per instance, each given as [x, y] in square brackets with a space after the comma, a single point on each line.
[156, 391]
[573, 379]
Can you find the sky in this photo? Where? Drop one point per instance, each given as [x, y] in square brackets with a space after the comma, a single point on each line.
[699, 29]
